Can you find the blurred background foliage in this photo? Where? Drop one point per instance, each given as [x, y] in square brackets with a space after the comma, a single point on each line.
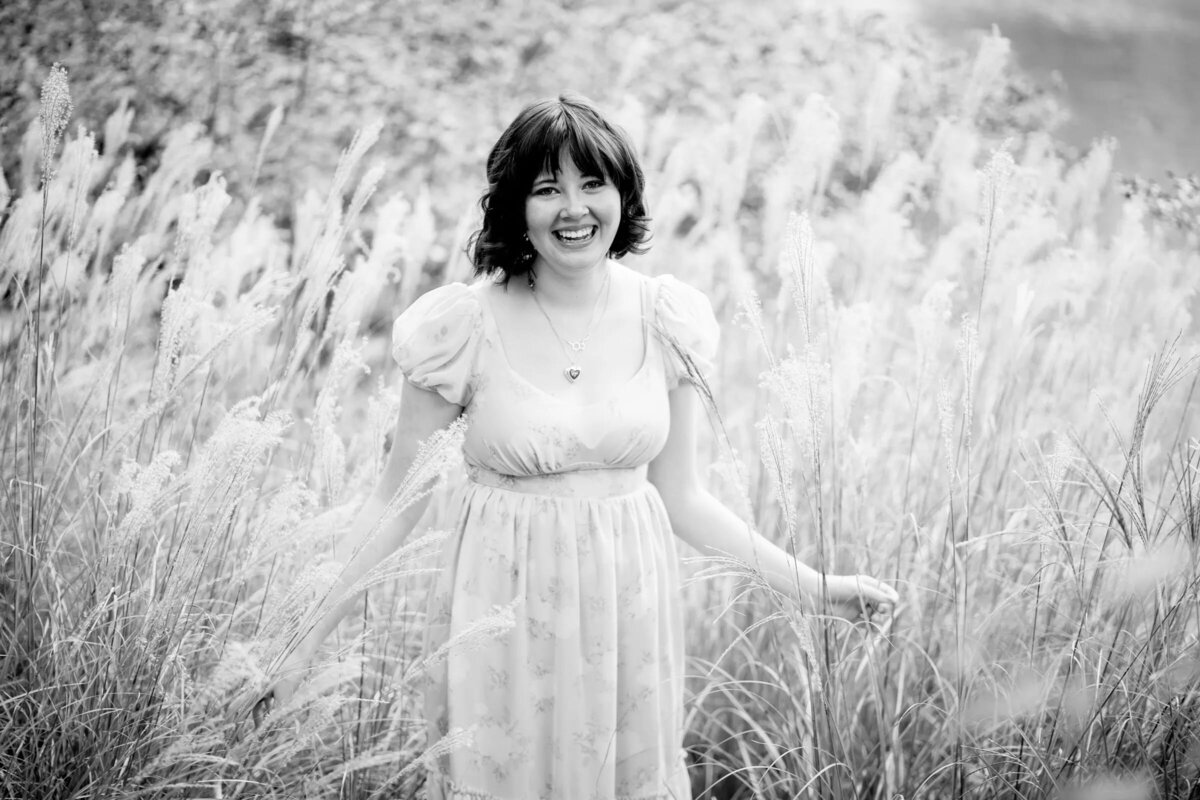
[446, 77]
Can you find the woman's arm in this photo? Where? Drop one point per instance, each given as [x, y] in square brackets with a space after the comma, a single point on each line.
[366, 543]
[705, 523]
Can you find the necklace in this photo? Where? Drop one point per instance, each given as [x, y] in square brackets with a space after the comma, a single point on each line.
[577, 346]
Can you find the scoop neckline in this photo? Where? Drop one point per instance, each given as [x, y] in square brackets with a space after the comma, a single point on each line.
[485, 307]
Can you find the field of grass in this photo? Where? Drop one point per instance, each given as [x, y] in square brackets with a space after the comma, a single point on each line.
[953, 360]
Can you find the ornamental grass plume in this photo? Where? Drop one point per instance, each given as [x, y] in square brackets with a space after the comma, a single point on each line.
[928, 321]
[776, 457]
[273, 122]
[30, 542]
[104, 221]
[181, 313]
[946, 417]
[357, 291]
[419, 243]
[19, 243]
[321, 260]
[987, 72]
[196, 220]
[427, 465]
[967, 348]
[227, 461]
[147, 492]
[801, 384]
[995, 195]
[329, 462]
[118, 126]
[749, 117]
[816, 143]
[56, 109]
[750, 310]
[853, 330]
[79, 167]
[1057, 465]
[498, 621]
[798, 267]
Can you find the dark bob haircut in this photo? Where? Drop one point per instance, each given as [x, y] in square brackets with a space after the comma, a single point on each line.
[531, 145]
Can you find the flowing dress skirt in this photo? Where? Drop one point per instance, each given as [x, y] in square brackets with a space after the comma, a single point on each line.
[581, 698]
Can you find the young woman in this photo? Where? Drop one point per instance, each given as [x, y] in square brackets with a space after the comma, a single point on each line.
[576, 376]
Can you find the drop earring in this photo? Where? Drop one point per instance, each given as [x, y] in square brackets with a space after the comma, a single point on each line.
[527, 256]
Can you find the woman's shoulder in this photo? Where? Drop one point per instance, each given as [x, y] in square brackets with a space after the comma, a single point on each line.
[683, 309]
[664, 288]
[456, 296]
[686, 325]
[435, 340]
[456, 305]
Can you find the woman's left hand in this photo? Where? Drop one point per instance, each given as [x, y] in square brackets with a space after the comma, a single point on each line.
[859, 598]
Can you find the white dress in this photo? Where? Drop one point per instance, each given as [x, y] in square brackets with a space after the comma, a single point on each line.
[583, 698]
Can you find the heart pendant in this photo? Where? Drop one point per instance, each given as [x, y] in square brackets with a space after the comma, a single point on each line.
[572, 373]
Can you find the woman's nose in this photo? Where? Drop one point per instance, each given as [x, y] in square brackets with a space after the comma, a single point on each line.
[573, 205]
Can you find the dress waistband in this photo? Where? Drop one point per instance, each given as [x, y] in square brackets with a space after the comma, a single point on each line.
[581, 483]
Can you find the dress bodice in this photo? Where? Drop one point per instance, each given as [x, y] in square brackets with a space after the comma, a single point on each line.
[448, 341]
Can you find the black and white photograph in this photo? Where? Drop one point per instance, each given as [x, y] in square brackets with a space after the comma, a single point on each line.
[610, 400]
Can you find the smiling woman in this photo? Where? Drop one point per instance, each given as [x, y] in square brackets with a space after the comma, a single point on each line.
[572, 217]
[576, 384]
[555, 152]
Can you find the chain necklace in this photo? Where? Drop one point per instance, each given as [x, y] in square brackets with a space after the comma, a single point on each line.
[577, 346]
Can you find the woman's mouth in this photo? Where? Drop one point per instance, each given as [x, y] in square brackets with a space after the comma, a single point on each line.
[576, 235]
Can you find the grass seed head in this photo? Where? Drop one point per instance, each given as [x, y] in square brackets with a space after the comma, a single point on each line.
[995, 189]
[945, 405]
[55, 112]
[967, 348]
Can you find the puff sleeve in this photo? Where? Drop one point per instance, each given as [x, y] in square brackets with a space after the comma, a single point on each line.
[436, 341]
[687, 329]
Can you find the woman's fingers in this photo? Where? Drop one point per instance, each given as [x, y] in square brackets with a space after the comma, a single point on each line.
[861, 598]
[876, 600]
[273, 699]
[876, 591]
[262, 709]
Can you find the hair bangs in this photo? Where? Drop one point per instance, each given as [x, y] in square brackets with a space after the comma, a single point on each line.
[590, 147]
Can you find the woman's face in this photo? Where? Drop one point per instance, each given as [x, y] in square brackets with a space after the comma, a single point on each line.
[572, 218]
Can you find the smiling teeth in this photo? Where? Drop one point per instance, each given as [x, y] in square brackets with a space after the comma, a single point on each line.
[574, 236]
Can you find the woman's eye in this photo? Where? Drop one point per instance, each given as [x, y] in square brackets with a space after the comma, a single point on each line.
[543, 190]
[595, 183]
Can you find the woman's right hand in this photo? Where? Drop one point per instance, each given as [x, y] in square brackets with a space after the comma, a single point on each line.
[860, 597]
[286, 680]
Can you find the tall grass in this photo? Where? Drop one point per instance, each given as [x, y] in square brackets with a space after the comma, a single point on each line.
[989, 394]
[166, 517]
[975, 377]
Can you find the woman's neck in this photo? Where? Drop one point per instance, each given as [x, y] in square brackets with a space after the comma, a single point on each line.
[576, 291]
